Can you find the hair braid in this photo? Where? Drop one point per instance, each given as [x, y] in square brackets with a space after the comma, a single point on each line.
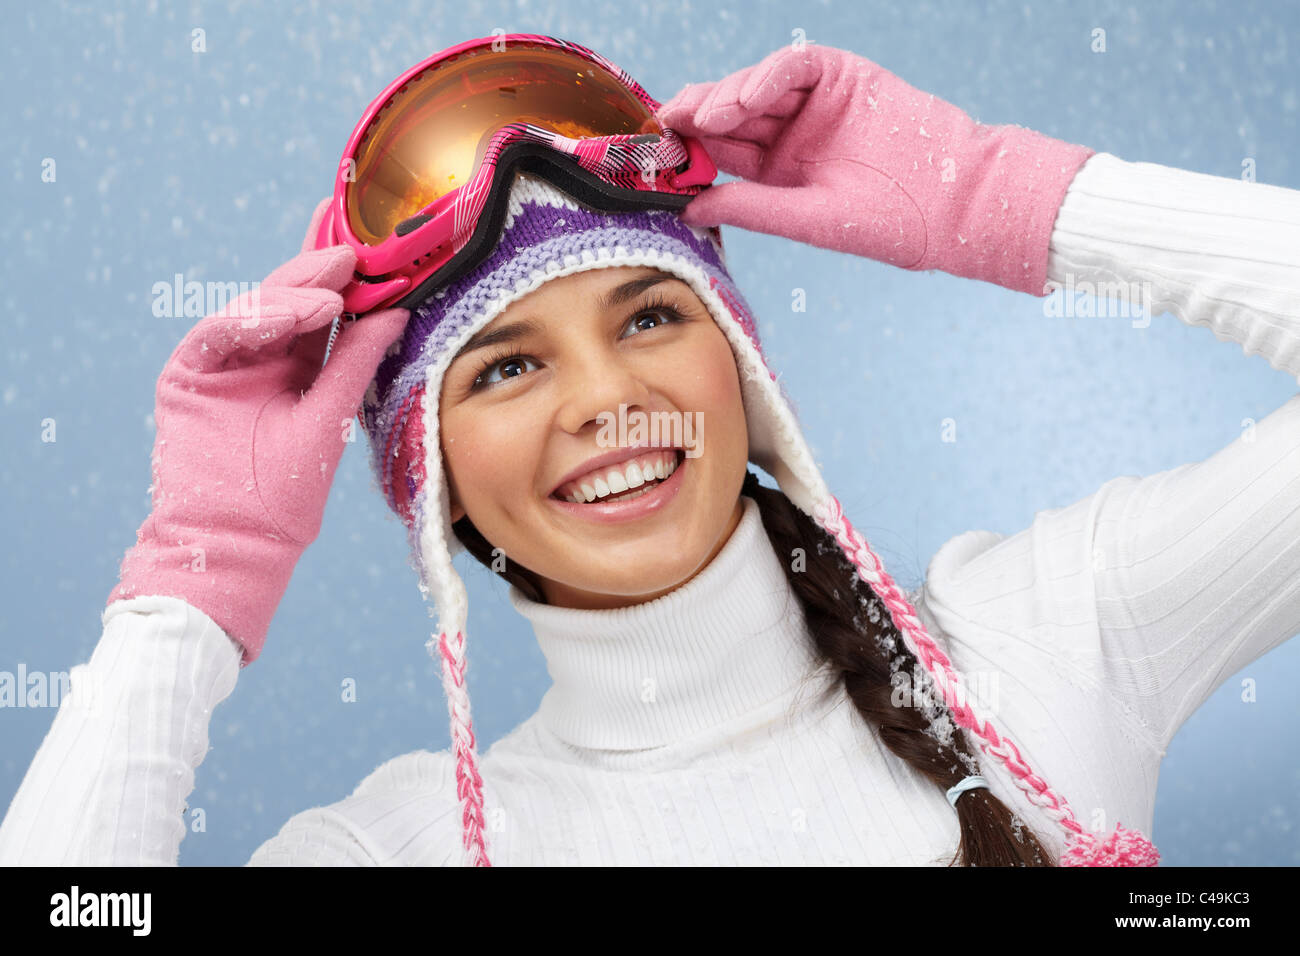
[853, 631]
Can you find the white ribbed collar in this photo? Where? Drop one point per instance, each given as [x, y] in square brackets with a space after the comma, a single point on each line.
[721, 646]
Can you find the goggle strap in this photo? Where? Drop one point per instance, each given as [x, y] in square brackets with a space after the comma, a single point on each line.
[563, 173]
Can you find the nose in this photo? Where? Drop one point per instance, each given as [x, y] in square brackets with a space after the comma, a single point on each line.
[597, 382]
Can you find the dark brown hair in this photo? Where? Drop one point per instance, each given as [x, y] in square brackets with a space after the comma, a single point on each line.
[854, 634]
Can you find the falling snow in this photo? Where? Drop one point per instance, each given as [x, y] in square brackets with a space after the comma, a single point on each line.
[209, 165]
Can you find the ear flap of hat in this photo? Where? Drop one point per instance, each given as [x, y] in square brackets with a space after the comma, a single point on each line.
[433, 541]
[411, 469]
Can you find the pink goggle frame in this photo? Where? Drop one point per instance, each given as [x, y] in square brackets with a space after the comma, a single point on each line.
[452, 234]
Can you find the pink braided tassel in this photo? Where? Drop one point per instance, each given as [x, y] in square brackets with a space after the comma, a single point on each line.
[1122, 848]
[469, 784]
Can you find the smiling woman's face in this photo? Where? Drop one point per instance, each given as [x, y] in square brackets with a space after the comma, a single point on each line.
[520, 416]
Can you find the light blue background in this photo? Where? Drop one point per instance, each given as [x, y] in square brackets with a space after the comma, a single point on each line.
[210, 165]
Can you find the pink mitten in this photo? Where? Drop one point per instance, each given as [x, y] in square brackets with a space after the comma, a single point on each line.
[250, 433]
[842, 154]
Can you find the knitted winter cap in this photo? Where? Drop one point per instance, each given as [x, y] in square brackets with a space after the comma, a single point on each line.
[548, 234]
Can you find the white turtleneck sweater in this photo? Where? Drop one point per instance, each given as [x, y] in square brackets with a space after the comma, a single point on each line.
[690, 729]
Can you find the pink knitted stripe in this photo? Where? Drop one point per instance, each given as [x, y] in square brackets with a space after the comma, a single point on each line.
[408, 459]
[469, 783]
[393, 435]
[742, 316]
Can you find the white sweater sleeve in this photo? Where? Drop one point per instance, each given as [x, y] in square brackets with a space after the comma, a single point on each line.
[1157, 589]
[1212, 251]
[1195, 570]
[108, 784]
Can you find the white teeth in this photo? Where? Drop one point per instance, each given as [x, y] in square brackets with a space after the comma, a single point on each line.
[635, 494]
[630, 476]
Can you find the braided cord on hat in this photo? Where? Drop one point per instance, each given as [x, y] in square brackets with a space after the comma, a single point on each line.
[469, 782]
[1122, 848]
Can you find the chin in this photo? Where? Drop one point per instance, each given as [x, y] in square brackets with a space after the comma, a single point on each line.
[637, 578]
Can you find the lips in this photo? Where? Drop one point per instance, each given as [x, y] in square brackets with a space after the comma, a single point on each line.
[621, 480]
[614, 460]
[648, 501]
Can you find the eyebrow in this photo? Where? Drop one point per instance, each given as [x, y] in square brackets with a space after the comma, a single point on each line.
[513, 331]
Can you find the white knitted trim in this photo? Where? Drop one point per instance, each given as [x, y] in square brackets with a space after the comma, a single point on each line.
[532, 189]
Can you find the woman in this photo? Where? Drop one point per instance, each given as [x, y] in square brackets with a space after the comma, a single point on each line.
[727, 686]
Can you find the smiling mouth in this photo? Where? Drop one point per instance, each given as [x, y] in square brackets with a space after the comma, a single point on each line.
[631, 493]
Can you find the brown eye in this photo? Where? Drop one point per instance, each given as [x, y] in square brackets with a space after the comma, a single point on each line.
[484, 377]
[667, 314]
[640, 320]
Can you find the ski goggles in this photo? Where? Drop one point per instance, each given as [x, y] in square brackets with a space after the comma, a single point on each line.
[422, 188]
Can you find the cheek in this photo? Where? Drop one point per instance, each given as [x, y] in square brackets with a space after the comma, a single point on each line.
[715, 388]
[489, 457]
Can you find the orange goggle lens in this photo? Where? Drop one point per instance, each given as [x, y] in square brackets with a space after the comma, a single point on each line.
[431, 136]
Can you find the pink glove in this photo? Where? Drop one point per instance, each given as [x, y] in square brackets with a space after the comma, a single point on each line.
[842, 154]
[243, 460]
